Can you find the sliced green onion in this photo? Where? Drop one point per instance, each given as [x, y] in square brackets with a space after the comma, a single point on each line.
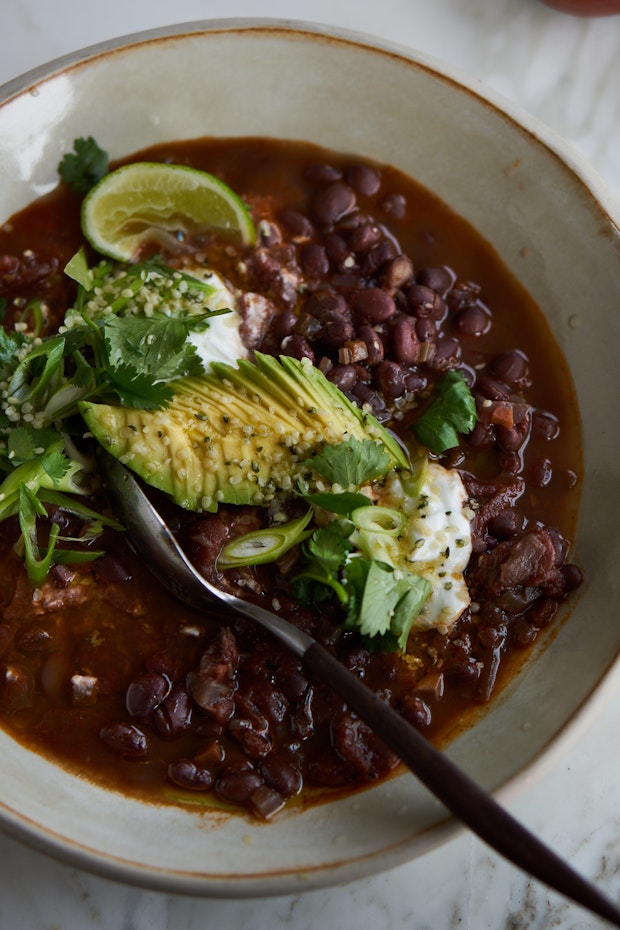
[262, 546]
[71, 505]
[379, 520]
[413, 480]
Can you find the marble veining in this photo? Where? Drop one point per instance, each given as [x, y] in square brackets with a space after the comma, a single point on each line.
[565, 71]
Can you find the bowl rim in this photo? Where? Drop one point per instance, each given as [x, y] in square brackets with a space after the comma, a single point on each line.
[607, 202]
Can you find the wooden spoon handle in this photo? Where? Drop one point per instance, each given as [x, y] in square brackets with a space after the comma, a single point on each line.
[460, 794]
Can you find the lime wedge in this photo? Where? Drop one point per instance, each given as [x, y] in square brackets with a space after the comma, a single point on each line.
[151, 201]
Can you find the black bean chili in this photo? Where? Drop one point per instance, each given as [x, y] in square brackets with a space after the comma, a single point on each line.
[384, 289]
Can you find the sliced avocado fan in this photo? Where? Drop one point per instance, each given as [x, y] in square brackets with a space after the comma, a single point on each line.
[236, 435]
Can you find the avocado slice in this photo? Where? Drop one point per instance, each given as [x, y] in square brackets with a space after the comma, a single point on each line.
[236, 435]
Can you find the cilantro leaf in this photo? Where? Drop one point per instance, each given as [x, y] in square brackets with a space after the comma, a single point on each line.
[452, 411]
[343, 503]
[84, 167]
[382, 602]
[352, 462]
[139, 390]
[326, 552]
[11, 345]
[154, 346]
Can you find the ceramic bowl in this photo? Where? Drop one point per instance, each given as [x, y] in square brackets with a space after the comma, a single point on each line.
[553, 224]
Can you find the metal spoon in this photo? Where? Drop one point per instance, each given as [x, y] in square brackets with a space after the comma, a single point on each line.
[154, 541]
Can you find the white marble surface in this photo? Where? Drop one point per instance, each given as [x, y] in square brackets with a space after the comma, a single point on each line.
[566, 71]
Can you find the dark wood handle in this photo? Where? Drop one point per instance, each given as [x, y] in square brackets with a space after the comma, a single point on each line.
[460, 794]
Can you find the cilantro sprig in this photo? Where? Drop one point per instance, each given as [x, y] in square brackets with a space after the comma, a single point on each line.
[451, 411]
[85, 166]
[124, 340]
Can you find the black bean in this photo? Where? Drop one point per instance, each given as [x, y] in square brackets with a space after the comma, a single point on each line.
[367, 396]
[491, 388]
[541, 472]
[363, 179]
[511, 462]
[545, 425]
[174, 714]
[472, 321]
[372, 305]
[364, 237]
[236, 783]
[506, 524]
[573, 576]
[426, 329]
[296, 223]
[324, 173]
[186, 774]
[395, 205]
[415, 382]
[284, 324]
[125, 739]
[481, 437]
[281, 775]
[333, 202]
[510, 438]
[425, 303]
[145, 693]
[313, 260]
[509, 367]
[417, 711]
[405, 343]
[327, 306]
[390, 379]
[437, 278]
[297, 346]
[448, 353]
[374, 344]
[384, 251]
[337, 332]
[543, 611]
[343, 376]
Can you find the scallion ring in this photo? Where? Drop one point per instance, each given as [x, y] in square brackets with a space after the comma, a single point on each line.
[386, 521]
[263, 546]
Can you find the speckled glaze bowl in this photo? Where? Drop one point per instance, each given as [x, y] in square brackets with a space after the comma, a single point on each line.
[553, 224]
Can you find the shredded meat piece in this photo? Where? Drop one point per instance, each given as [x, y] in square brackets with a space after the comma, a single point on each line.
[356, 743]
[257, 313]
[492, 497]
[213, 686]
[531, 560]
